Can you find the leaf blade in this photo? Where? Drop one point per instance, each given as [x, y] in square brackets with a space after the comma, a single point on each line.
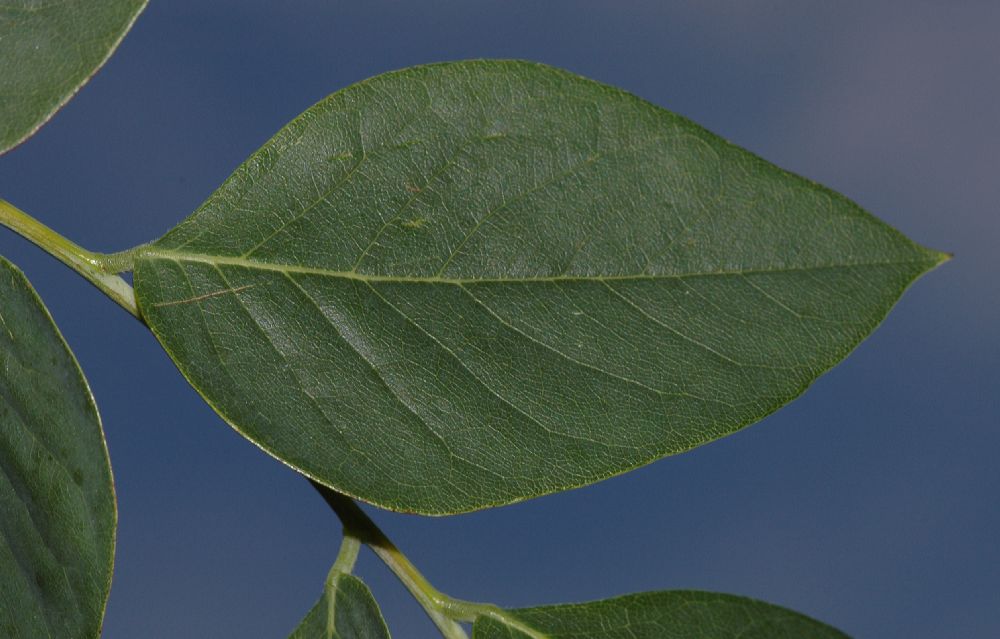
[57, 503]
[473, 283]
[354, 614]
[50, 51]
[677, 614]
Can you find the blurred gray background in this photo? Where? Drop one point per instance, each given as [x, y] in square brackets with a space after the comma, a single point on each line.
[869, 503]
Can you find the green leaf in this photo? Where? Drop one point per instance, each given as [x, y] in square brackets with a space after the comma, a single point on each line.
[57, 502]
[346, 610]
[49, 50]
[678, 614]
[467, 284]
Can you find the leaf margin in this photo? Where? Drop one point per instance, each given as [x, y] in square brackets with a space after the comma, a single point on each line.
[44, 118]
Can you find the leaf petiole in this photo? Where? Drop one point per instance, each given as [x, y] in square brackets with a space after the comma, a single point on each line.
[347, 556]
[445, 611]
[99, 269]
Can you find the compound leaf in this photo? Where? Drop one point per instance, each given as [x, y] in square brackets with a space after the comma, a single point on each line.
[463, 285]
[49, 50]
[678, 614]
[57, 503]
[346, 610]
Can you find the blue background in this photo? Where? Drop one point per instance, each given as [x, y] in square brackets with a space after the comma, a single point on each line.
[870, 503]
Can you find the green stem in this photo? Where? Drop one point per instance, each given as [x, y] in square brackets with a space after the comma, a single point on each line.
[357, 523]
[445, 611]
[99, 269]
[344, 564]
[347, 556]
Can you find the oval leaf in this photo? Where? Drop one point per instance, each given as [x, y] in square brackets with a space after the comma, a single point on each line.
[467, 284]
[57, 503]
[346, 610]
[50, 50]
[678, 614]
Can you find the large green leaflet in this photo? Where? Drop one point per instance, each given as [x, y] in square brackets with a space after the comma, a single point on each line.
[57, 503]
[48, 50]
[346, 610]
[678, 614]
[467, 284]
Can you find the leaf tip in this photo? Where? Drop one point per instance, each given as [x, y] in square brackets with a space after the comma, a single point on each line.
[937, 258]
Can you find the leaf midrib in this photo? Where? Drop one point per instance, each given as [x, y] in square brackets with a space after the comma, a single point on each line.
[929, 261]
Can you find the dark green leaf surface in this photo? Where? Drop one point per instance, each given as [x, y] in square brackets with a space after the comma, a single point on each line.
[57, 503]
[346, 610]
[467, 284]
[680, 614]
[48, 50]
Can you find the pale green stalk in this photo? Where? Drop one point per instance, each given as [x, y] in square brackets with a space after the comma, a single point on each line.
[344, 564]
[99, 269]
[346, 556]
[445, 611]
